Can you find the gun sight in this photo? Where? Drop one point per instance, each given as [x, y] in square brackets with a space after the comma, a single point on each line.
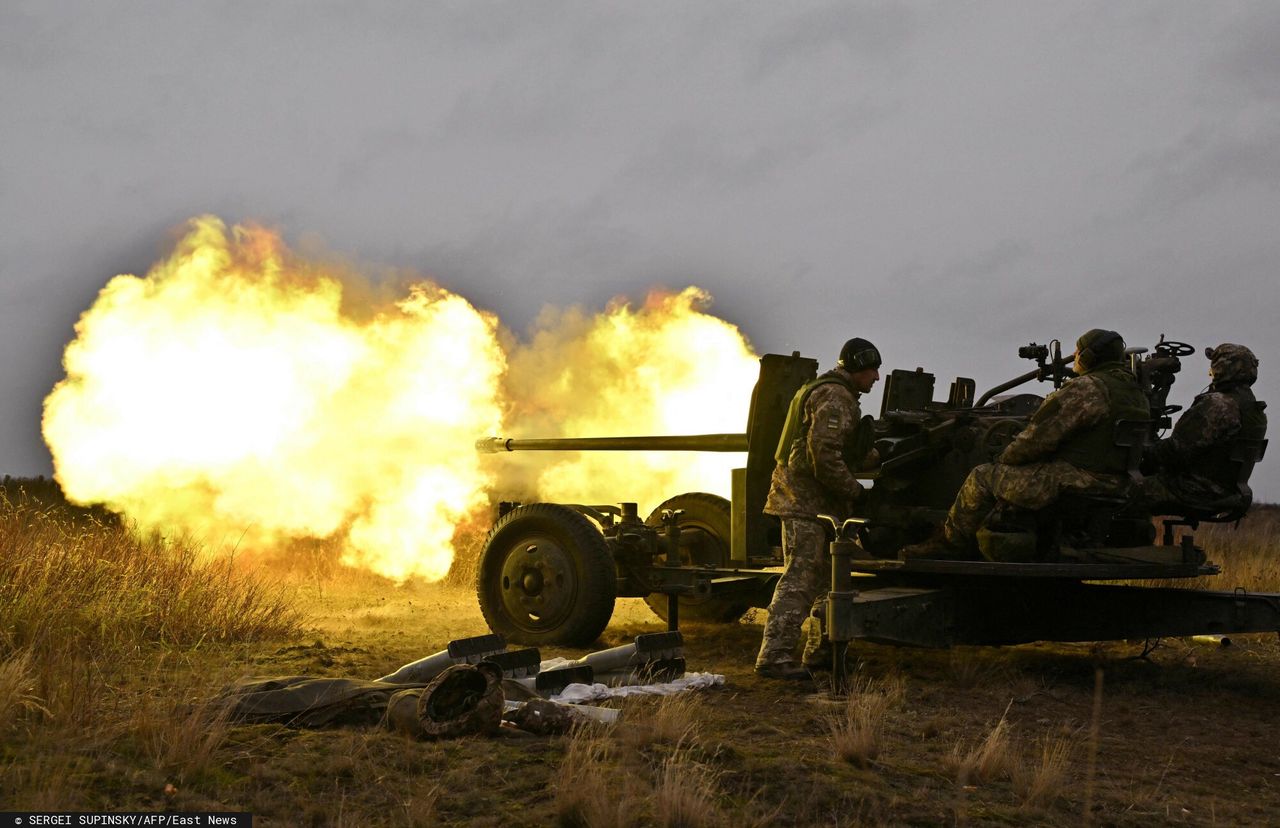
[1034, 351]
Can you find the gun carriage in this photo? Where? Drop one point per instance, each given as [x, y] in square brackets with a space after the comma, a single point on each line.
[549, 573]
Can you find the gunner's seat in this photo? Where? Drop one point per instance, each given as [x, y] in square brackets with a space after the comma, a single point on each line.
[1077, 519]
[1245, 454]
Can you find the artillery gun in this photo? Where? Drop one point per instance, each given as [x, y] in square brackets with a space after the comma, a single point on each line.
[549, 573]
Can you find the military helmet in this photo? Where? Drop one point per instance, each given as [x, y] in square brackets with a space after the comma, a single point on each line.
[1232, 363]
[1098, 346]
[858, 354]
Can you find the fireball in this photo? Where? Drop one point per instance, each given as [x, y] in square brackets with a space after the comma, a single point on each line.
[245, 395]
[667, 367]
[231, 394]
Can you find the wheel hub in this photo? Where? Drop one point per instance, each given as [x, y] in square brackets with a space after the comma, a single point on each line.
[537, 583]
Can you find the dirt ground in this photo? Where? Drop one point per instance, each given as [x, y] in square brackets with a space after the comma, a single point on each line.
[1185, 733]
[1180, 731]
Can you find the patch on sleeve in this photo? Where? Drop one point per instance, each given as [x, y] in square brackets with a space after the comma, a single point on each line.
[833, 422]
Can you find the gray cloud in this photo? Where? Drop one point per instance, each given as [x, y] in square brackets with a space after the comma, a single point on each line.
[1250, 57]
[991, 263]
[950, 180]
[858, 31]
[1207, 161]
[688, 159]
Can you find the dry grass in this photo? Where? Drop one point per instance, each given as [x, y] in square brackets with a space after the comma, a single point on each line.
[111, 715]
[17, 686]
[38, 781]
[857, 731]
[583, 796]
[1038, 773]
[648, 770]
[1043, 779]
[991, 758]
[73, 582]
[676, 719]
[971, 667]
[686, 793]
[1244, 551]
[181, 737]
[665, 720]
[85, 606]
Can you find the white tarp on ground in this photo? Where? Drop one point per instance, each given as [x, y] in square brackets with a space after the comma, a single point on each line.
[581, 693]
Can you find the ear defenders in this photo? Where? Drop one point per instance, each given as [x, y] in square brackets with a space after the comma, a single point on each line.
[1101, 346]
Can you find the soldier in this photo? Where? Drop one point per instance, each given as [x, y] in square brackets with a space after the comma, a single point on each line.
[813, 477]
[1069, 446]
[1195, 471]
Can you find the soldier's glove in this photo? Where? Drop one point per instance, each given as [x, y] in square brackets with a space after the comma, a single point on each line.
[872, 460]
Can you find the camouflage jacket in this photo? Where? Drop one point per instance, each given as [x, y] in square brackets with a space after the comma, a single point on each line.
[1212, 420]
[815, 480]
[1199, 448]
[1084, 403]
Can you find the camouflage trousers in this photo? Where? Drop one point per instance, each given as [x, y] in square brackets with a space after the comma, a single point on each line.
[1175, 494]
[1031, 486]
[805, 578]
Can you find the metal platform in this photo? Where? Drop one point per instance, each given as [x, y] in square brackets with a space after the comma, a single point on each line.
[936, 603]
[1072, 571]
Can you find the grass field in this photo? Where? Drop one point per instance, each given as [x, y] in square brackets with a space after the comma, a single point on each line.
[110, 647]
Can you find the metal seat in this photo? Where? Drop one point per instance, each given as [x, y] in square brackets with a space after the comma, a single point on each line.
[1245, 454]
[1084, 518]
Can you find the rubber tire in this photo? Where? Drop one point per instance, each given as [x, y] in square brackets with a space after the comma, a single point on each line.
[593, 578]
[714, 515]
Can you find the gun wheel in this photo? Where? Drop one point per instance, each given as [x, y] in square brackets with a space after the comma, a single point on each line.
[546, 577]
[704, 540]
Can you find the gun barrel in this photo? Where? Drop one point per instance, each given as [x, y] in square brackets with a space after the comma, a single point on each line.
[1037, 374]
[683, 442]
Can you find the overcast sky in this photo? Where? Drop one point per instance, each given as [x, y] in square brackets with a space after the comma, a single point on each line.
[950, 180]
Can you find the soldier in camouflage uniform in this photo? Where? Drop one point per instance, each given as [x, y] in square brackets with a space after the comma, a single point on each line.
[1069, 446]
[813, 477]
[1195, 470]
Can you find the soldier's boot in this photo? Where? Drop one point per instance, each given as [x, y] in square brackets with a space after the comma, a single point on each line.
[937, 548]
[785, 670]
[817, 649]
[819, 658]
